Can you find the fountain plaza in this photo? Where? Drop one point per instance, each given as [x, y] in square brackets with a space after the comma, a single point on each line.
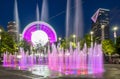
[54, 60]
[88, 61]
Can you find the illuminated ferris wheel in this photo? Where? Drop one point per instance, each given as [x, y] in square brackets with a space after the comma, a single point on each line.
[39, 33]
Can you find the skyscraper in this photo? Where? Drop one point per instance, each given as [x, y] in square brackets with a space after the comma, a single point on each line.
[100, 24]
[12, 30]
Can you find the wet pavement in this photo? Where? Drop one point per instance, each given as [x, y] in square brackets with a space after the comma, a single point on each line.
[112, 71]
[9, 73]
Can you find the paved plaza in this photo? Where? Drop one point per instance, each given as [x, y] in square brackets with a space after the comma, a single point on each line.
[112, 71]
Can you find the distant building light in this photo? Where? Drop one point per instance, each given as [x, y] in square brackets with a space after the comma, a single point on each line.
[10, 25]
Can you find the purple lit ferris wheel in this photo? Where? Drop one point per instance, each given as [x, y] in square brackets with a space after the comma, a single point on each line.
[41, 31]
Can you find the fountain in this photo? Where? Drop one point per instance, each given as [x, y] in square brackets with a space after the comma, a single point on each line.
[44, 12]
[79, 61]
[5, 63]
[66, 61]
[74, 26]
[71, 62]
[37, 13]
[22, 60]
[16, 18]
[78, 19]
[9, 60]
[68, 19]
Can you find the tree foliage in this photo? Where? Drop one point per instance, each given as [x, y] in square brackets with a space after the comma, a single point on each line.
[64, 44]
[24, 44]
[7, 43]
[88, 40]
[108, 47]
[82, 41]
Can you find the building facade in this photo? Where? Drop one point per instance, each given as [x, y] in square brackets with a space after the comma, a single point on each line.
[12, 30]
[100, 24]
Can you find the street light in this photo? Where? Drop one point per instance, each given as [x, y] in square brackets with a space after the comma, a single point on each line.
[115, 33]
[59, 39]
[74, 36]
[103, 34]
[91, 33]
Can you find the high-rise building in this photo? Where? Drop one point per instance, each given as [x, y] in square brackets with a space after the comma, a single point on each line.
[12, 30]
[100, 24]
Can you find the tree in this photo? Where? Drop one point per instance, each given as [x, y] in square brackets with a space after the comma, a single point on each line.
[108, 47]
[118, 45]
[64, 44]
[82, 41]
[88, 40]
[7, 43]
[24, 44]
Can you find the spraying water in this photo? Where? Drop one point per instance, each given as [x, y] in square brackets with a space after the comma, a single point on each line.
[88, 61]
[74, 19]
[37, 13]
[68, 19]
[16, 18]
[44, 13]
[78, 21]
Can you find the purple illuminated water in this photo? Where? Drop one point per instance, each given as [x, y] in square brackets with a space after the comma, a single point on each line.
[68, 62]
[86, 61]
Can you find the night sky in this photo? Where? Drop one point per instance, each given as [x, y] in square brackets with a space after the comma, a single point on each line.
[27, 12]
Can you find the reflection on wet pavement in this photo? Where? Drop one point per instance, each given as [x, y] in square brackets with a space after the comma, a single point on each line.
[44, 71]
[112, 71]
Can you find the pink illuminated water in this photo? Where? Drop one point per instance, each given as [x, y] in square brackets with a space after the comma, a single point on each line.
[86, 61]
[68, 62]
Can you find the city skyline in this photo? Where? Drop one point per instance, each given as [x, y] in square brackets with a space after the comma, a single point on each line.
[27, 13]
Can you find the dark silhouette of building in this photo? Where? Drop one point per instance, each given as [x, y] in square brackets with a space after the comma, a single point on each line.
[12, 30]
[100, 24]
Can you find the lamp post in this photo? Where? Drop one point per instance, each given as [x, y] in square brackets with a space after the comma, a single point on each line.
[103, 34]
[59, 39]
[115, 33]
[74, 36]
[91, 33]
